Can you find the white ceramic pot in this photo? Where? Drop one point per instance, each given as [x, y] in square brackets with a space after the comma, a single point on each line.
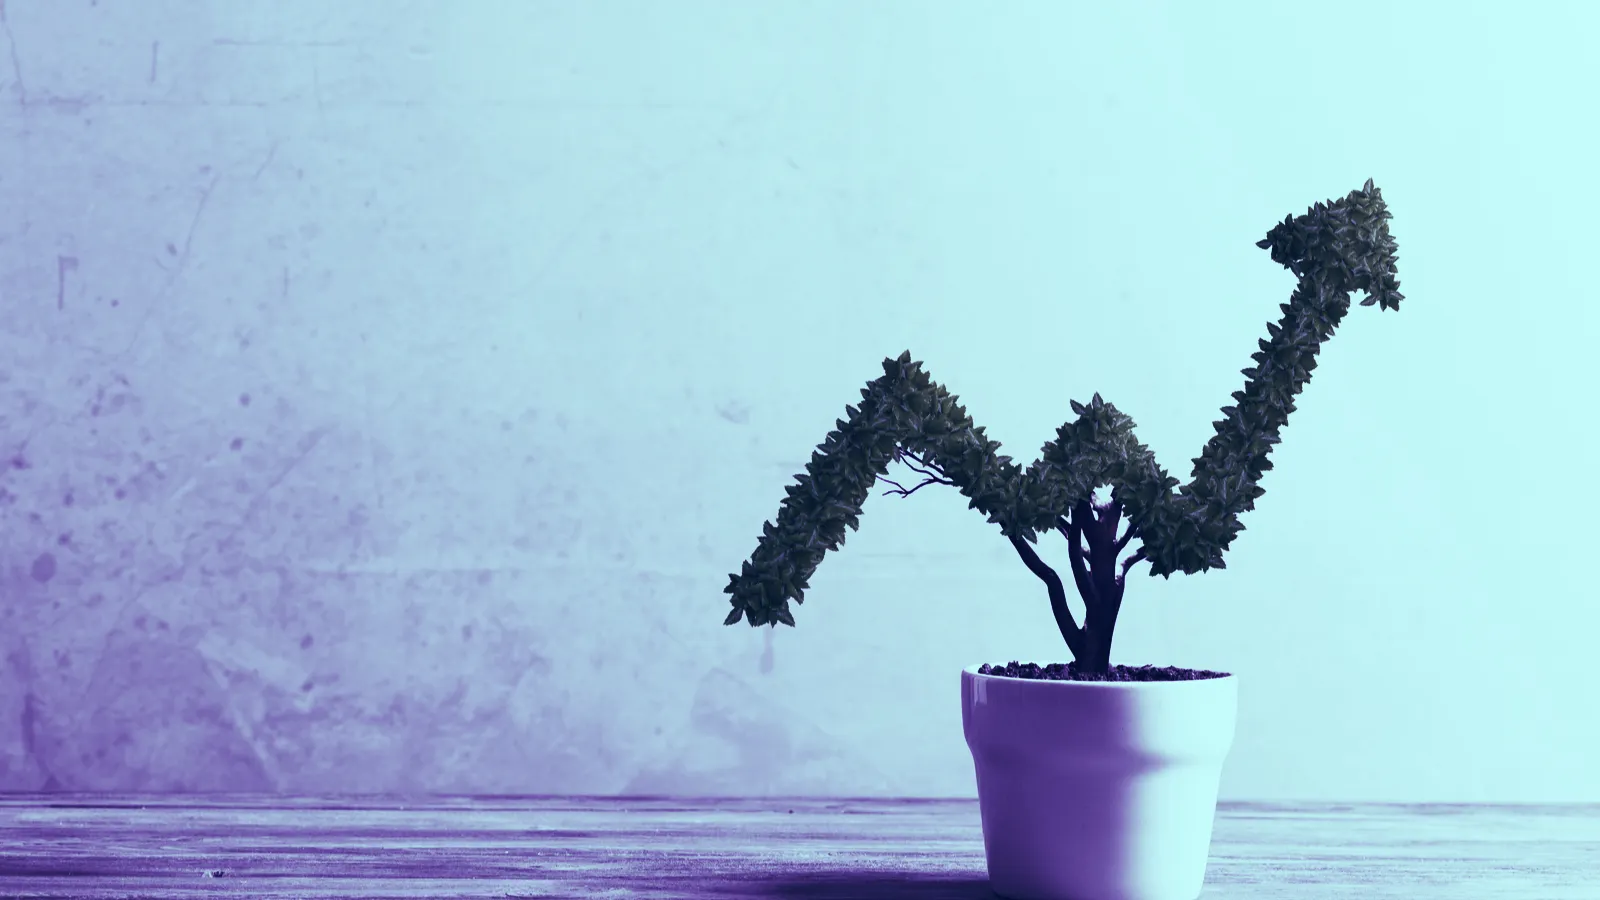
[1097, 790]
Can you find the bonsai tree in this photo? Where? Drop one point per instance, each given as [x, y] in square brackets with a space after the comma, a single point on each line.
[904, 416]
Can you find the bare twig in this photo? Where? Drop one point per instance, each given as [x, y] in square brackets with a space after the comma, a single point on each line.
[934, 475]
[904, 492]
[920, 467]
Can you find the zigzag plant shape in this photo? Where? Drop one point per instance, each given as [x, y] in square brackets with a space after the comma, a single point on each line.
[1334, 249]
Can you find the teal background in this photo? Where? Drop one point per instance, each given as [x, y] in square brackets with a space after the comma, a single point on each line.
[390, 386]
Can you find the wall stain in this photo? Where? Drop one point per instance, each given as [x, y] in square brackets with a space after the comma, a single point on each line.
[735, 412]
[43, 568]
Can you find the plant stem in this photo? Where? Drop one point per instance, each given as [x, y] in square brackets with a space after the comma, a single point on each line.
[1070, 632]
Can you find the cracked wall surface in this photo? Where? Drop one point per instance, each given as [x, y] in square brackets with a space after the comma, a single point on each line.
[387, 389]
[255, 539]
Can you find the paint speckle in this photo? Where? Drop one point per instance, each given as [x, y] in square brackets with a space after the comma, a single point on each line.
[306, 642]
[236, 443]
[44, 568]
[244, 399]
[66, 499]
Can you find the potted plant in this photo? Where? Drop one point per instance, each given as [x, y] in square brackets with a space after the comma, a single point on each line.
[1094, 781]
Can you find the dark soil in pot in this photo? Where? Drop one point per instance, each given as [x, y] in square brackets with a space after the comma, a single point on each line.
[1069, 672]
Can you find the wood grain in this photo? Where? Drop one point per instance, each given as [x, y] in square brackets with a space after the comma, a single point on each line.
[82, 846]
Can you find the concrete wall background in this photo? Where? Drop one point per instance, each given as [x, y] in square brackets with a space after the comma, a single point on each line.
[386, 388]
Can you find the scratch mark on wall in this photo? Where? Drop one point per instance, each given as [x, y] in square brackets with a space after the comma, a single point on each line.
[31, 709]
[243, 42]
[622, 188]
[308, 443]
[177, 271]
[181, 492]
[22, 670]
[194, 220]
[64, 264]
[170, 574]
[16, 63]
[272, 152]
[101, 404]
[155, 52]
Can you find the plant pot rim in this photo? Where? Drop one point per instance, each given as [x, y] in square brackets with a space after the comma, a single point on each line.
[972, 670]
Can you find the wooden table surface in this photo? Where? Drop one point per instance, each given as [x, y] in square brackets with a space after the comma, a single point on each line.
[101, 846]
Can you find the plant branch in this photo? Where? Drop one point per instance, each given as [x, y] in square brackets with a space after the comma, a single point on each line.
[1128, 564]
[1058, 596]
[932, 472]
[918, 465]
[1075, 553]
[1132, 532]
[906, 492]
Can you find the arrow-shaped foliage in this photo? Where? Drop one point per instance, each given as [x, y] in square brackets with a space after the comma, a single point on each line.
[1334, 249]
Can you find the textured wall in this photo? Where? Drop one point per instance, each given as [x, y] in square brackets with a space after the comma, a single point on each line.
[386, 388]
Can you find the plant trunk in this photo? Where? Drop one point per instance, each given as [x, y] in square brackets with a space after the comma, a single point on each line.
[1094, 573]
[1096, 658]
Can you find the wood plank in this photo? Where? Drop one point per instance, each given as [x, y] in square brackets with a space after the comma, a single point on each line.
[91, 847]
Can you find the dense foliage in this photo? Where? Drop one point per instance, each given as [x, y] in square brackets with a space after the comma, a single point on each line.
[1334, 249]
